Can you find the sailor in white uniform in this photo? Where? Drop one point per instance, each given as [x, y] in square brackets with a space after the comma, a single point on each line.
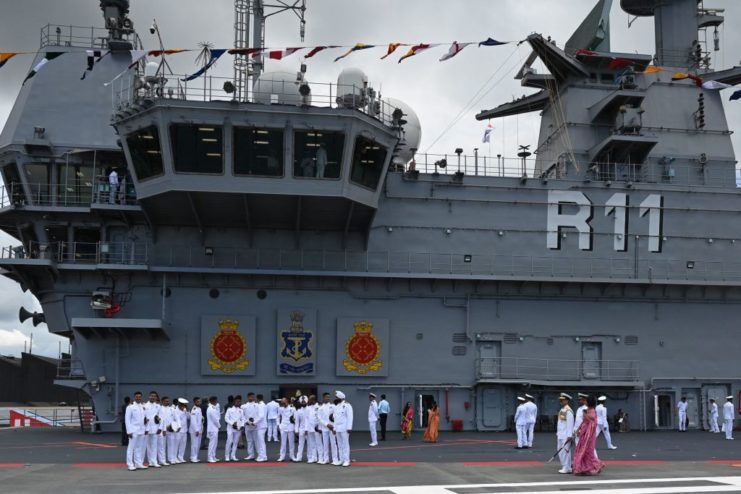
[152, 429]
[579, 415]
[532, 417]
[286, 425]
[329, 436]
[195, 429]
[521, 415]
[173, 426]
[728, 415]
[213, 424]
[343, 418]
[182, 434]
[261, 427]
[134, 421]
[603, 426]
[251, 415]
[164, 416]
[682, 412]
[272, 419]
[316, 453]
[714, 416]
[373, 420]
[565, 433]
[303, 429]
[234, 424]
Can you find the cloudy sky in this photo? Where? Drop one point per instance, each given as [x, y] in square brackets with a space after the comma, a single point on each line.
[446, 96]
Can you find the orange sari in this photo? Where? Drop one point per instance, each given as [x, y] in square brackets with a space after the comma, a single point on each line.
[433, 422]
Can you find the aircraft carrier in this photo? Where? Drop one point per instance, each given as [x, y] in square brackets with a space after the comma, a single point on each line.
[274, 234]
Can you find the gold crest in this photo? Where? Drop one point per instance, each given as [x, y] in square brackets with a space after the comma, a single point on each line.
[363, 350]
[228, 348]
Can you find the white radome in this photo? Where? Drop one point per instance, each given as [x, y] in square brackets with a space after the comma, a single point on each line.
[412, 129]
[351, 85]
[279, 87]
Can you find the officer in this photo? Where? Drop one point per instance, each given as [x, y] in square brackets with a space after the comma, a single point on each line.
[182, 434]
[172, 426]
[532, 417]
[564, 433]
[195, 429]
[234, 423]
[286, 425]
[213, 424]
[152, 429]
[579, 415]
[603, 426]
[329, 436]
[343, 418]
[303, 428]
[315, 434]
[261, 426]
[272, 418]
[134, 420]
[373, 419]
[251, 415]
[682, 412]
[163, 415]
[713, 416]
[521, 415]
[728, 414]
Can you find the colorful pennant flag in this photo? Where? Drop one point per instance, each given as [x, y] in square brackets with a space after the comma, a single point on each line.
[417, 49]
[281, 54]
[715, 85]
[358, 46]
[245, 51]
[158, 53]
[678, 76]
[317, 49]
[487, 133]
[585, 52]
[48, 57]
[492, 42]
[619, 63]
[454, 49]
[4, 57]
[736, 95]
[652, 69]
[391, 49]
[215, 54]
[93, 57]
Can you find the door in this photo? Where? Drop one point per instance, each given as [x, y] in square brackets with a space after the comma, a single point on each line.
[663, 411]
[492, 408]
[693, 407]
[489, 359]
[591, 360]
[717, 392]
[425, 399]
[294, 390]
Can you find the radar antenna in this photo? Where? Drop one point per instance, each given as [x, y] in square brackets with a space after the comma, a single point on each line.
[250, 16]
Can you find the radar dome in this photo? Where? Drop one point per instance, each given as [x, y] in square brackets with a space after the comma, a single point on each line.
[412, 135]
[280, 87]
[351, 85]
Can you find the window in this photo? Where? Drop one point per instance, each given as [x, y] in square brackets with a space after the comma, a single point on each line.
[197, 148]
[317, 154]
[146, 156]
[258, 152]
[39, 182]
[367, 162]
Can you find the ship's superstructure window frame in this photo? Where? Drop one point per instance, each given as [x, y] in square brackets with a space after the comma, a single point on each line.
[368, 160]
[318, 154]
[197, 148]
[146, 153]
[258, 152]
[39, 176]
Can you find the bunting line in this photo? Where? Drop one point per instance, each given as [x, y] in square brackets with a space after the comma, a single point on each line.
[215, 55]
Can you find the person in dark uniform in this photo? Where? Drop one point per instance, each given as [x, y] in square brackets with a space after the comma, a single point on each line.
[124, 436]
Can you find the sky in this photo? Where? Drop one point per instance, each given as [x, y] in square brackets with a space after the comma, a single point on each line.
[445, 95]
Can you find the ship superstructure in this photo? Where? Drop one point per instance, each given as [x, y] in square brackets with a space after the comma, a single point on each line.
[273, 237]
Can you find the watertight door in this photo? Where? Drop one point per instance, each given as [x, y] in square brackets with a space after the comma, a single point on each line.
[591, 355]
[491, 407]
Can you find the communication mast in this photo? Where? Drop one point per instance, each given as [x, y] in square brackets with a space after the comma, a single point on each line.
[250, 17]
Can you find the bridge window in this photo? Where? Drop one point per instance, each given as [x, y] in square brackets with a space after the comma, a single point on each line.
[258, 152]
[146, 156]
[367, 162]
[317, 154]
[197, 148]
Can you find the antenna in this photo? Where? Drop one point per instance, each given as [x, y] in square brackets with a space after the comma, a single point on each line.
[250, 16]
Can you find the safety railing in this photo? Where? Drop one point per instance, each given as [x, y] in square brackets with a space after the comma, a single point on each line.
[78, 36]
[129, 253]
[63, 416]
[42, 194]
[70, 368]
[556, 369]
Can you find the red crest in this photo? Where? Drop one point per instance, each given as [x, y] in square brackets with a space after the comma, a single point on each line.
[228, 348]
[362, 349]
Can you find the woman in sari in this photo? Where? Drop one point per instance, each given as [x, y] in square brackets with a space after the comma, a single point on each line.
[433, 422]
[585, 456]
[407, 420]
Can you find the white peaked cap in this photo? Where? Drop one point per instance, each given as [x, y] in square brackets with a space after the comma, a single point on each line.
[729, 397]
[182, 401]
[530, 397]
[372, 395]
[602, 398]
[521, 398]
[565, 396]
[582, 395]
[339, 394]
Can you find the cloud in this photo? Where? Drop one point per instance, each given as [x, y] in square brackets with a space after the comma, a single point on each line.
[11, 340]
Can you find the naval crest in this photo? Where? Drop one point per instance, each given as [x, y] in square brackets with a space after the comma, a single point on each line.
[228, 348]
[296, 343]
[363, 350]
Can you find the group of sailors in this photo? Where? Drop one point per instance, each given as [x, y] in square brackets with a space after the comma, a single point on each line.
[728, 416]
[159, 429]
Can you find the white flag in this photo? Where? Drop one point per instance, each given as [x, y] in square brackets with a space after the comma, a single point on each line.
[715, 85]
[487, 133]
[454, 49]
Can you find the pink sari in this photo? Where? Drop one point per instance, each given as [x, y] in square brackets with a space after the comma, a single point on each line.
[585, 459]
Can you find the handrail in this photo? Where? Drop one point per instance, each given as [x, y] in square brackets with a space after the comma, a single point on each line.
[556, 369]
[43, 194]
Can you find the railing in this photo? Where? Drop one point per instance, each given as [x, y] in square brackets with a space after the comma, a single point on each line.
[129, 253]
[70, 368]
[66, 416]
[556, 369]
[78, 36]
[41, 194]
[476, 165]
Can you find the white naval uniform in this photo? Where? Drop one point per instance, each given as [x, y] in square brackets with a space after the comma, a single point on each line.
[260, 428]
[134, 420]
[173, 438]
[151, 436]
[373, 421]
[728, 414]
[578, 419]
[164, 415]
[287, 440]
[182, 435]
[329, 438]
[250, 411]
[682, 411]
[213, 424]
[315, 435]
[196, 432]
[303, 429]
[233, 418]
[603, 426]
[521, 415]
[714, 418]
[343, 418]
[271, 410]
[532, 417]
[565, 430]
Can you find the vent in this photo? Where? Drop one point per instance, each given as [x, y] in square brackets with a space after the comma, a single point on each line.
[460, 338]
[511, 338]
[631, 340]
[459, 351]
[549, 341]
